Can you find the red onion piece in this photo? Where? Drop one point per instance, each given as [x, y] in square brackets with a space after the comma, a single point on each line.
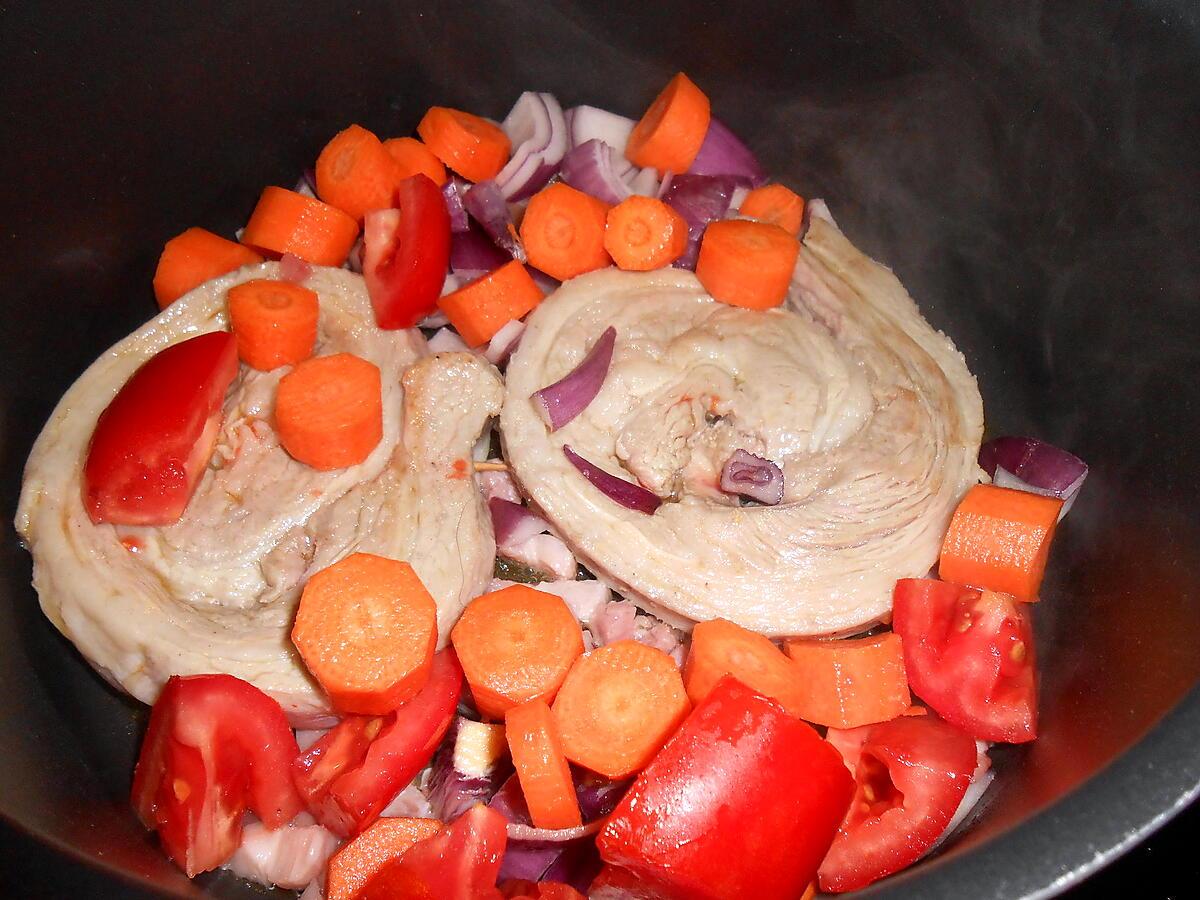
[752, 476]
[513, 523]
[630, 495]
[452, 791]
[644, 183]
[538, 133]
[452, 193]
[562, 401]
[293, 268]
[527, 834]
[591, 168]
[722, 153]
[473, 254]
[542, 280]
[587, 123]
[487, 205]
[700, 199]
[307, 185]
[504, 342]
[1035, 466]
[597, 795]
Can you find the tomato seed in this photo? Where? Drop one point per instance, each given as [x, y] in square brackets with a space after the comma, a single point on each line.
[1017, 652]
[182, 790]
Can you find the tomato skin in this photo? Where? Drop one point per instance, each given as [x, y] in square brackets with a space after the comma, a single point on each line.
[969, 654]
[743, 801]
[153, 441]
[215, 746]
[406, 254]
[463, 859]
[346, 792]
[910, 776]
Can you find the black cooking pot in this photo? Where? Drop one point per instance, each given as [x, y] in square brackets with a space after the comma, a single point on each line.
[1030, 170]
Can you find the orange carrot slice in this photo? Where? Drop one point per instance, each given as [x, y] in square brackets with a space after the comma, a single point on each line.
[720, 647]
[563, 231]
[999, 539]
[847, 683]
[356, 174]
[366, 629]
[775, 204]
[618, 706]
[516, 645]
[542, 768]
[643, 234]
[384, 842]
[471, 146]
[194, 257]
[482, 307]
[329, 411]
[274, 322]
[414, 158]
[669, 135]
[287, 222]
[746, 263]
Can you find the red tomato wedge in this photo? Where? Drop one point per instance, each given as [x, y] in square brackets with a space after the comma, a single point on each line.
[910, 776]
[406, 254]
[354, 771]
[969, 655]
[743, 801]
[154, 439]
[215, 746]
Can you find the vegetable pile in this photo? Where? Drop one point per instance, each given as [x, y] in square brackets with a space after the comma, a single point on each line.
[561, 743]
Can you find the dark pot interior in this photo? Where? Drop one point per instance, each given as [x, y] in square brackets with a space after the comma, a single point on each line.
[1030, 170]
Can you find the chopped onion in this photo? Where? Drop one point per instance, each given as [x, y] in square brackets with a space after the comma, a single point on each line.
[514, 523]
[446, 340]
[354, 261]
[530, 835]
[504, 342]
[644, 183]
[487, 205]
[468, 769]
[538, 133]
[452, 193]
[700, 199]
[294, 269]
[587, 123]
[722, 153]
[289, 857]
[562, 401]
[1028, 464]
[981, 779]
[598, 169]
[752, 476]
[472, 254]
[547, 284]
[630, 495]
[307, 185]
[598, 796]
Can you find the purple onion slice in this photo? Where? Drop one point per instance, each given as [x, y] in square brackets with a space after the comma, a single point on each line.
[473, 254]
[752, 476]
[722, 153]
[562, 401]
[538, 132]
[630, 495]
[1028, 464]
[587, 123]
[469, 768]
[512, 522]
[700, 199]
[591, 168]
[488, 207]
[452, 193]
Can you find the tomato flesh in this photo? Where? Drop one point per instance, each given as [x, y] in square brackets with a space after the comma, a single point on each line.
[153, 441]
[910, 776]
[355, 770]
[215, 746]
[406, 254]
[743, 801]
[969, 654]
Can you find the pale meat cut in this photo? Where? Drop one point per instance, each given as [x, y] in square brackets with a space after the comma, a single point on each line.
[871, 414]
[217, 590]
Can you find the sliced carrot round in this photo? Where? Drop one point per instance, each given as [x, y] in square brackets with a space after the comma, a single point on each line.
[516, 645]
[720, 647]
[366, 629]
[194, 257]
[618, 706]
[274, 322]
[287, 222]
[414, 158]
[747, 264]
[329, 410]
[563, 231]
[480, 308]
[542, 769]
[670, 134]
[850, 682]
[776, 204]
[470, 145]
[379, 845]
[642, 233]
[356, 174]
